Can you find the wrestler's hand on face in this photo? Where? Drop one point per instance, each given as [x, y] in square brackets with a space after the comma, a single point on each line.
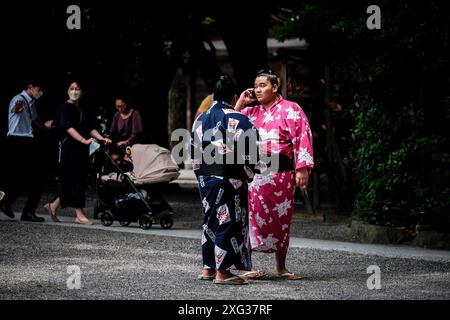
[245, 98]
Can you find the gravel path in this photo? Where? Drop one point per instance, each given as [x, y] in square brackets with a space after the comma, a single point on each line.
[114, 265]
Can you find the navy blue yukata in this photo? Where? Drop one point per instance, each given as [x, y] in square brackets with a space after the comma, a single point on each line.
[220, 135]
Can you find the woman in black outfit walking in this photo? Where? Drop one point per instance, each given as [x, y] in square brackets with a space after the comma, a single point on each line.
[79, 133]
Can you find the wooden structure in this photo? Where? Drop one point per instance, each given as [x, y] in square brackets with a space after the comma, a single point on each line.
[309, 83]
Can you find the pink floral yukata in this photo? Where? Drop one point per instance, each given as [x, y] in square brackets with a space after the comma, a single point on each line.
[283, 129]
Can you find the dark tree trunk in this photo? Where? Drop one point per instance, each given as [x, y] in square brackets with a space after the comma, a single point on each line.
[245, 35]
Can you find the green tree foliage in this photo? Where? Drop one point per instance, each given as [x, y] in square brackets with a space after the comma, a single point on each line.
[398, 82]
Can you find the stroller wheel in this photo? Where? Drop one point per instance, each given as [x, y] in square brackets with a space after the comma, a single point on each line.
[145, 221]
[124, 222]
[107, 219]
[166, 222]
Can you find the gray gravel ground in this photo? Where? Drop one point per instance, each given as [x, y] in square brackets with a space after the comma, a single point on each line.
[115, 265]
[186, 205]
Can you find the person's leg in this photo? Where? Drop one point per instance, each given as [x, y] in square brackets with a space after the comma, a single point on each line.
[223, 236]
[271, 208]
[71, 193]
[55, 204]
[81, 217]
[34, 179]
[207, 273]
[230, 231]
[8, 198]
[246, 271]
[34, 197]
[26, 169]
[13, 174]
[52, 207]
[208, 259]
[29, 210]
[223, 274]
[280, 261]
[74, 163]
[282, 270]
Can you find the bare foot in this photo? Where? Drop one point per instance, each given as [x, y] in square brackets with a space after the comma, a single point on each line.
[207, 274]
[51, 212]
[83, 221]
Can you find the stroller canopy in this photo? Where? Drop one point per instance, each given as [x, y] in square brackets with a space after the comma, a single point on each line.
[152, 164]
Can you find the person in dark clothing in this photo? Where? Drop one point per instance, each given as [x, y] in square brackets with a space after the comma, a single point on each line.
[24, 163]
[126, 130]
[222, 141]
[79, 133]
[127, 123]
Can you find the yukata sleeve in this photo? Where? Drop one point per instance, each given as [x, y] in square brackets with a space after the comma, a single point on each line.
[196, 145]
[301, 137]
[247, 111]
[247, 140]
[65, 120]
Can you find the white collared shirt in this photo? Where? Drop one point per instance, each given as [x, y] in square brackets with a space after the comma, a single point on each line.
[20, 123]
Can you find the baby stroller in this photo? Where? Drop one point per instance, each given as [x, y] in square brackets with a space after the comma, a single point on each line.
[132, 196]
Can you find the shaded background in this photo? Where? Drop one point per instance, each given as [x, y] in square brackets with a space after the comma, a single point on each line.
[378, 100]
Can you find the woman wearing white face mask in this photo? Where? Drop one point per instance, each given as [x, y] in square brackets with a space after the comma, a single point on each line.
[79, 133]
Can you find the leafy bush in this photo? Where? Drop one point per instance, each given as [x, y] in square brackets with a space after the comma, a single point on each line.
[401, 182]
[398, 85]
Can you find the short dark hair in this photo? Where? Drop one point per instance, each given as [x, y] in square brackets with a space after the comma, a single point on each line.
[31, 82]
[125, 96]
[225, 89]
[78, 82]
[269, 74]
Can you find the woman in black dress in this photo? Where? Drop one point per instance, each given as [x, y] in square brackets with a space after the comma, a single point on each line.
[79, 133]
